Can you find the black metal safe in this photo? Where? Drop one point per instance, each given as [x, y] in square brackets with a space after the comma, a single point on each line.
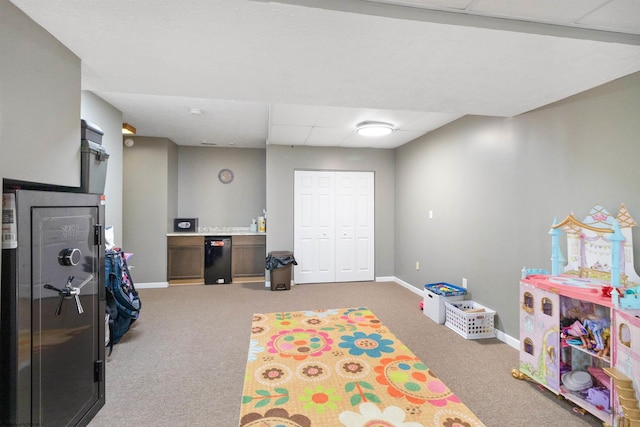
[52, 323]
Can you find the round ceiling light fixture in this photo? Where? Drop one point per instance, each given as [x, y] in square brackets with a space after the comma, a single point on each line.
[374, 128]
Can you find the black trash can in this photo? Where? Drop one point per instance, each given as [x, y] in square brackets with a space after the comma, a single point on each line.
[279, 265]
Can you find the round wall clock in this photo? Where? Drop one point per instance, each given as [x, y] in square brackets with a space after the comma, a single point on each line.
[225, 176]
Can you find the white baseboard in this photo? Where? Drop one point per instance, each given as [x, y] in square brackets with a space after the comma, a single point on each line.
[151, 285]
[507, 339]
[403, 284]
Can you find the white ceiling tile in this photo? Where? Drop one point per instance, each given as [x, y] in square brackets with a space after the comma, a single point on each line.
[395, 139]
[618, 15]
[325, 136]
[357, 141]
[430, 121]
[398, 119]
[290, 114]
[562, 12]
[221, 121]
[288, 135]
[317, 65]
[344, 117]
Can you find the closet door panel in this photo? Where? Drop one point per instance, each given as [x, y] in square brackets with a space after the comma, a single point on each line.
[314, 222]
[345, 230]
[354, 220]
[364, 230]
[345, 264]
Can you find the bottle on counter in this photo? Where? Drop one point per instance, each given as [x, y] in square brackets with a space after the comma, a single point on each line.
[262, 224]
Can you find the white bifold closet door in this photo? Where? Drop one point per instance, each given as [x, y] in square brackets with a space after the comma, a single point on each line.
[334, 226]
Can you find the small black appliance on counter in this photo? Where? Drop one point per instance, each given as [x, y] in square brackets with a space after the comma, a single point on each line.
[187, 225]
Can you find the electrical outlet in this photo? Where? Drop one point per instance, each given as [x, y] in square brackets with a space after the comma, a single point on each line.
[417, 265]
[464, 282]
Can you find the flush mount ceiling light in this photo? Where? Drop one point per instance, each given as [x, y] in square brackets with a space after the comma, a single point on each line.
[195, 111]
[374, 128]
[127, 129]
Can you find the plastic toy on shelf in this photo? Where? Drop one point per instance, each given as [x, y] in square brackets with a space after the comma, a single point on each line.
[629, 299]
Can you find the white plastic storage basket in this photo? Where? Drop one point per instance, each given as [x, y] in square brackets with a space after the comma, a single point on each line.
[470, 325]
[433, 305]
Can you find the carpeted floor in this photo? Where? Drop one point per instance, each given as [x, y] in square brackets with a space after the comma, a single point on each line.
[183, 362]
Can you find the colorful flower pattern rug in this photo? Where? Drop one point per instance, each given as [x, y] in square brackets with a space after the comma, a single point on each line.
[340, 367]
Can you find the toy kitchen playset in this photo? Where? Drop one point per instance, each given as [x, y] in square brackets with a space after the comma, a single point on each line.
[580, 329]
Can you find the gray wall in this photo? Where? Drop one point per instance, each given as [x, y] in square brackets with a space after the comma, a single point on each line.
[146, 206]
[163, 181]
[172, 185]
[495, 186]
[95, 110]
[39, 103]
[40, 109]
[202, 195]
[283, 160]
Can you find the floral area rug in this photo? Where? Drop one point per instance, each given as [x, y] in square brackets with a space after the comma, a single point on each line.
[340, 367]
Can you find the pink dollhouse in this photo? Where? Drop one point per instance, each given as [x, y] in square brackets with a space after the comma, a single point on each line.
[580, 329]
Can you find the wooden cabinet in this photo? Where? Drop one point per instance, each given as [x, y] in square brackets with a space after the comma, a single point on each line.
[185, 260]
[248, 257]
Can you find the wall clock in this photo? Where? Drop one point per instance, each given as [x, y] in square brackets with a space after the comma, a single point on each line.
[225, 176]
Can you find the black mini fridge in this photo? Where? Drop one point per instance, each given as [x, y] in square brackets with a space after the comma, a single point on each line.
[52, 311]
[217, 260]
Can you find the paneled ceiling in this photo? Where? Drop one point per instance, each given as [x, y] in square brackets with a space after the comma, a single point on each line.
[245, 73]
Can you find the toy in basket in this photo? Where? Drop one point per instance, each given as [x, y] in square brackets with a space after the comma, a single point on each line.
[435, 295]
[445, 289]
[470, 319]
